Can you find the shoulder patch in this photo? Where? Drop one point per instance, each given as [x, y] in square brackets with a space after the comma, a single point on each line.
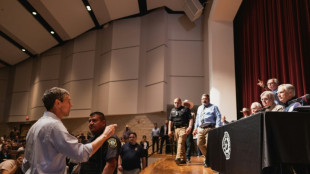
[112, 142]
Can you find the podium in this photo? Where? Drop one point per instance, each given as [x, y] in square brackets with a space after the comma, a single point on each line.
[256, 144]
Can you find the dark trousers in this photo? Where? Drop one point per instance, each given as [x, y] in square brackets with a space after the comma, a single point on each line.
[165, 138]
[198, 153]
[155, 140]
[189, 143]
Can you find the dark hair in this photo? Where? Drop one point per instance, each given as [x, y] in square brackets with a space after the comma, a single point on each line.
[100, 114]
[133, 133]
[51, 95]
[19, 153]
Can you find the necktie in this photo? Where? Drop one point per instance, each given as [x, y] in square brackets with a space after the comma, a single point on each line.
[202, 115]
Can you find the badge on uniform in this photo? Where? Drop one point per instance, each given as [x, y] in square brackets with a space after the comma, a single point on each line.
[112, 142]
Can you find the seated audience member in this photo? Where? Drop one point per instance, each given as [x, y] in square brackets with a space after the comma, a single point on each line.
[286, 94]
[12, 166]
[4, 153]
[245, 112]
[255, 108]
[267, 99]
[224, 121]
[272, 85]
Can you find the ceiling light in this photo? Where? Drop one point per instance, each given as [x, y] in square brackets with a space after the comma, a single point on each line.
[88, 8]
[52, 32]
[34, 13]
[23, 50]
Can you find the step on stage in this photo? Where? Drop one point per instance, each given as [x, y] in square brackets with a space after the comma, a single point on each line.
[167, 165]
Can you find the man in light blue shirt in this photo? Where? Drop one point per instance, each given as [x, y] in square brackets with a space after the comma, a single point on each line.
[208, 117]
[48, 141]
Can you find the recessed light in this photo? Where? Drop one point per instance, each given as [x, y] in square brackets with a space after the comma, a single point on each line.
[34, 13]
[52, 32]
[88, 8]
[23, 50]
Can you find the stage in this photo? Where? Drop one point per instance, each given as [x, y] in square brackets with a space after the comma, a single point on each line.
[165, 164]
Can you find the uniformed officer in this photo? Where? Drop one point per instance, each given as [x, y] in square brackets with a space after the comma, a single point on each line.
[180, 117]
[208, 117]
[105, 159]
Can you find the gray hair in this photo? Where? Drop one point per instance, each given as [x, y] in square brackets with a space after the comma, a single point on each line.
[256, 104]
[51, 95]
[288, 88]
[270, 95]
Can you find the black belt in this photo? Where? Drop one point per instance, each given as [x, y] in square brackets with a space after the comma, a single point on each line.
[207, 125]
[180, 126]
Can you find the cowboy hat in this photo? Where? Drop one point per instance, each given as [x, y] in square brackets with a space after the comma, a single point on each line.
[191, 104]
[245, 110]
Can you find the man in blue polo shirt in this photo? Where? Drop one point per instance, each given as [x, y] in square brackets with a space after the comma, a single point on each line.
[129, 160]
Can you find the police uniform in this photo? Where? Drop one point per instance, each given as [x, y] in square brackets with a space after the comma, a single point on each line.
[180, 118]
[131, 155]
[96, 163]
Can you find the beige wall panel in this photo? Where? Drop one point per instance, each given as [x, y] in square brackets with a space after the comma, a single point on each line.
[103, 98]
[155, 65]
[80, 93]
[181, 28]
[79, 113]
[17, 118]
[186, 58]
[126, 33]
[19, 104]
[124, 64]
[53, 51]
[49, 68]
[22, 77]
[189, 88]
[36, 113]
[85, 42]
[123, 97]
[105, 37]
[38, 90]
[83, 65]
[155, 24]
[155, 98]
[66, 71]
[105, 70]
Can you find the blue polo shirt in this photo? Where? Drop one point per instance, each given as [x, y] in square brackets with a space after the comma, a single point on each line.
[131, 155]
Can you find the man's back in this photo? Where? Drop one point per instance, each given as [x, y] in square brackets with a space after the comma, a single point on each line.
[48, 144]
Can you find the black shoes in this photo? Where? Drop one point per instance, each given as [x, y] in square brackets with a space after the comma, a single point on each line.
[188, 160]
[178, 161]
[205, 164]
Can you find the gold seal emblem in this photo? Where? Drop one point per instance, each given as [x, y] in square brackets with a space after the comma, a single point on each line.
[112, 142]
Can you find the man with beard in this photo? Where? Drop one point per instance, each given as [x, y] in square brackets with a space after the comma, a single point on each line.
[105, 159]
[208, 117]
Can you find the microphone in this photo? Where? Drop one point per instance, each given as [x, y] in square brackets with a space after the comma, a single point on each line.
[263, 109]
[305, 98]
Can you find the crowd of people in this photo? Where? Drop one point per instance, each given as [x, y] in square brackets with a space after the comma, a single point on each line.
[50, 148]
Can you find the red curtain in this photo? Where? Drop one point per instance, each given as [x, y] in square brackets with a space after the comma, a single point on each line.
[272, 39]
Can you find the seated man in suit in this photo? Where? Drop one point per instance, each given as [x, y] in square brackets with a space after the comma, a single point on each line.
[286, 94]
[267, 98]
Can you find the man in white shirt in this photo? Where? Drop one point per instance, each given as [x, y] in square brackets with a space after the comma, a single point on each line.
[48, 141]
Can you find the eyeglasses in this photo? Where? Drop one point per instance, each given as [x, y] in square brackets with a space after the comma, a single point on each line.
[264, 99]
[271, 83]
[132, 137]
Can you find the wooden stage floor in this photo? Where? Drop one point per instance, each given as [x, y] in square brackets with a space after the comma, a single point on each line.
[167, 165]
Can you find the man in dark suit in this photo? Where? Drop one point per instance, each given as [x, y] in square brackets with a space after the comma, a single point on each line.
[164, 137]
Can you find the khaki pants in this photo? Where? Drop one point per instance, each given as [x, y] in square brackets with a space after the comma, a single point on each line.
[180, 136]
[202, 139]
